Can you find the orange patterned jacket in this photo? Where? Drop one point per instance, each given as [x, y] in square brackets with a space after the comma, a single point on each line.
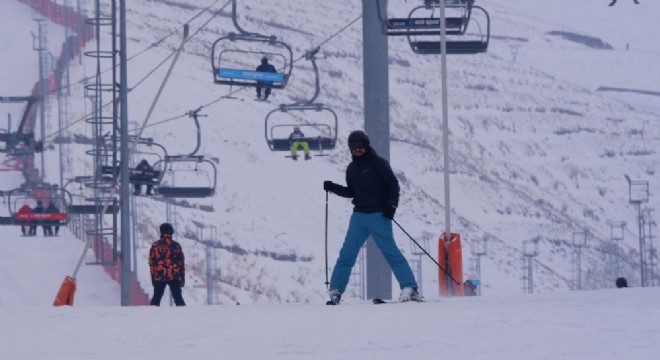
[166, 261]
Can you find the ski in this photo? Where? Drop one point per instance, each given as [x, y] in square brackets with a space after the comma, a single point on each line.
[330, 302]
[378, 301]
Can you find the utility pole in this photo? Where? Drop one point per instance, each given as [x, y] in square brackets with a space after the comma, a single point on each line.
[617, 232]
[479, 248]
[638, 193]
[579, 241]
[650, 248]
[41, 47]
[126, 253]
[377, 125]
[530, 251]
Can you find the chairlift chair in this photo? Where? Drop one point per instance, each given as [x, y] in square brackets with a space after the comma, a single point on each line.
[473, 40]
[325, 132]
[19, 197]
[235, 66]
[20, 142]
[424, 19]
[95, 204]
[228, 58]
[422, 27]
[136, 176]
[5, 220]
[200, 182]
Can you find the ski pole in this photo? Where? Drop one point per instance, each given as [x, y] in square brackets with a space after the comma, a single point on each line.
[426, 252]
[326, 239]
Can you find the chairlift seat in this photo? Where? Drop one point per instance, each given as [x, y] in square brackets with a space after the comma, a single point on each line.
[185, 192]
[144, 177]
[6, 220]
[453, 47]
[424, 26]
[91, 209]
[135, 176]
[55, 218]
[236, 77]
[317, 143]
[250, 75]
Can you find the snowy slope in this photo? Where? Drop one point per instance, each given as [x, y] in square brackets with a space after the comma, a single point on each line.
[34, 268]
[536, 150]
[605, 325]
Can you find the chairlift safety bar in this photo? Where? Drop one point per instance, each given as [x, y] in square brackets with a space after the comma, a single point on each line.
[250, 75]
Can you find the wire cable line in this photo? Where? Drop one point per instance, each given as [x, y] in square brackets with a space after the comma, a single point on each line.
[229, 95]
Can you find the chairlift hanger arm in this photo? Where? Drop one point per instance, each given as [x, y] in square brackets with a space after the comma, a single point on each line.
[234, 20]
[29, 102]
[311, 56]
[195, 115]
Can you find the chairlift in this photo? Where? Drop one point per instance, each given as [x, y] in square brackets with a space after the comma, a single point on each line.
[95, 205]
[425, 20]
[467, 30]
[148, 150]
[199, 175]
[234, 58]
[324, 133]
[5, 220]
[47, 195]
[20, 143]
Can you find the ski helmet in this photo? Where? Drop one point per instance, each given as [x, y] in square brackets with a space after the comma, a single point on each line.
[358, 135]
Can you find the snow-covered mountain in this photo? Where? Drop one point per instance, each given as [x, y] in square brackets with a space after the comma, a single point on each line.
[538, 149]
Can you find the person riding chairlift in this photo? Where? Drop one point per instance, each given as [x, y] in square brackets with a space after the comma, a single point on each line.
[143, 167]
[265, 67]
[297, 139]
[31, 229]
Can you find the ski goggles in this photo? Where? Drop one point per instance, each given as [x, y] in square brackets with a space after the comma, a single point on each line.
[357, 144]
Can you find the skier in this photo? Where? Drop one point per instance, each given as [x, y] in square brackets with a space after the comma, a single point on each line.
[371, 183]
[167, 266]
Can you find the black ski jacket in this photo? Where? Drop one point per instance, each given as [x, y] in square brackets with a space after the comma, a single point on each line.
[370, 183]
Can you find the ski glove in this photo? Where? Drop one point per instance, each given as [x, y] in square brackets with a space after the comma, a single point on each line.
[389, 211]
[330, 186]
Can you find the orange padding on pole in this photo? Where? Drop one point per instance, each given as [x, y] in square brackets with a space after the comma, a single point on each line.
[66, 293]
[450, 257]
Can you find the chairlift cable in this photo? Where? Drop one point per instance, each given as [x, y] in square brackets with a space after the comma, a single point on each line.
[156, 43]
[332, 36]
[149, 74]
[294, 61]
[242, 88]
[173, 53]
[153, 45]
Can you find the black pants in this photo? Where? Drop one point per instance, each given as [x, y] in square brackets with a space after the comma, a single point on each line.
[138, 189]
[267, 89]
[175, 289]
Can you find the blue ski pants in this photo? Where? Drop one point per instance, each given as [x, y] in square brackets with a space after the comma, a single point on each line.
[360, 227]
